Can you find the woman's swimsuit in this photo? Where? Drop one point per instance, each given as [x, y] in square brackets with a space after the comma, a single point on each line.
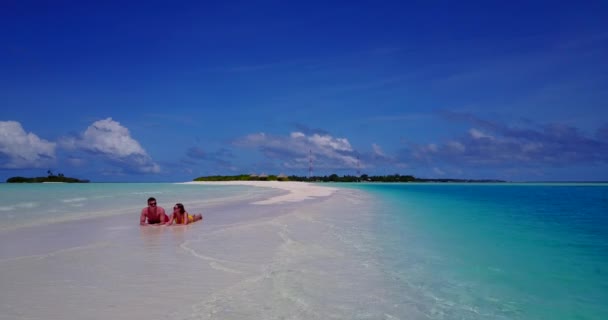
[178, 221]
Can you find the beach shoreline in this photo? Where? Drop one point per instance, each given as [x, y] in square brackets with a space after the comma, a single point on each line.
[263, 254]
[277, 250]
[297, 191]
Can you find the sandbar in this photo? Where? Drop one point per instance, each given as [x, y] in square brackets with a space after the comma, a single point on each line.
[298, 191]
[301, 253]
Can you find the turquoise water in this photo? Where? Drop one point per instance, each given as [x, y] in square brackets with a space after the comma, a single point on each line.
[410, 251]
[494, 251]
[39, 204]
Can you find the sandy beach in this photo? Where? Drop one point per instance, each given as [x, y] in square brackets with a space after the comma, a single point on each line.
[297, 191]
[286, 254]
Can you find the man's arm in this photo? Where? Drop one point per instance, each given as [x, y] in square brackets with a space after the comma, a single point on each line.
[170, 221]
[163, 215]
[143, 216]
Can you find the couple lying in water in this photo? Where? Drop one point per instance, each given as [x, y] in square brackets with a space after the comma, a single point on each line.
[154, 214]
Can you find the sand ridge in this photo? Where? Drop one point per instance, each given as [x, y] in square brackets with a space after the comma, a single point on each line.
[298, 191]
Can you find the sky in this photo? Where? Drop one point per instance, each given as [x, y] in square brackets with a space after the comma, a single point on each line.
[155, 91]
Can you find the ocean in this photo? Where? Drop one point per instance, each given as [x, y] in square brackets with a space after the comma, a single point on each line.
[495, 251]
[32, 204]
[370, 251]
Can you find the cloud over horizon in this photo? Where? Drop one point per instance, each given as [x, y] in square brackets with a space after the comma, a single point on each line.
[113, 142]
[494, 144]
[328, 152]
[22, 150]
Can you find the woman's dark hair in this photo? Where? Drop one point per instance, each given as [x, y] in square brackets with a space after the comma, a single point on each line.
[181, 207]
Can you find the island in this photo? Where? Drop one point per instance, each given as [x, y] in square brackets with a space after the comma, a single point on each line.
[336, 178]
[50, 178]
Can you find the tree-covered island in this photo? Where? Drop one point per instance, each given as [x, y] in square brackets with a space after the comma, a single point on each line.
[49, 178]
[336, 178]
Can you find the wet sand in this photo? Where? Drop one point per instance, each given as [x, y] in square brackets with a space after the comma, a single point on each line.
[292, 255]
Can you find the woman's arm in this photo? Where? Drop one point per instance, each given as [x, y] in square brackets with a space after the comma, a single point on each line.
[186, 220]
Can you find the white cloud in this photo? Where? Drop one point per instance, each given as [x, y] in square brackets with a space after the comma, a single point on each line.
[256, 137]
[476, 134]
[297, 135]
[501, 145]
[19, 149]
[111, 140]
[327, 151]
[329, 142]
[378, 151]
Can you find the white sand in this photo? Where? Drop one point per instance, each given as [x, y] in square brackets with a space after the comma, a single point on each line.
[298, 191]
[295, 259]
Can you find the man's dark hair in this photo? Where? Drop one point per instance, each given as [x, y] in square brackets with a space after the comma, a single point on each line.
[151, 199]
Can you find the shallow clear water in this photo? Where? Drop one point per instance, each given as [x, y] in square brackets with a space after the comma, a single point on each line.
[371, 251]
[38, 204]
[307, 260]
[504, 251]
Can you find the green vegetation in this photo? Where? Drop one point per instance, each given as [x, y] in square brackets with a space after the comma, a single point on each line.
[50, 178]
[244, 177]
[334, 178]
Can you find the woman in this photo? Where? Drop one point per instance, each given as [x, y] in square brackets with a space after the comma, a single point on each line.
[180, 216]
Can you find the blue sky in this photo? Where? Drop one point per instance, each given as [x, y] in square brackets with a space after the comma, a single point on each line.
[165, 91]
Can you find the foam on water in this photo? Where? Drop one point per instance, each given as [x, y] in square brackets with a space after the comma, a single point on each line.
[24, 205]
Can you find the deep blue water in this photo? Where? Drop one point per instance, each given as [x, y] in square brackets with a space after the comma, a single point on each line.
[495, 251]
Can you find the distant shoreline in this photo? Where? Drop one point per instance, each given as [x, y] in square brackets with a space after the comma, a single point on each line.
[49, 179]
[335, 178]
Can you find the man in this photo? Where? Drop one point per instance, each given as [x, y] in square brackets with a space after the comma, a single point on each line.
[153, 213]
